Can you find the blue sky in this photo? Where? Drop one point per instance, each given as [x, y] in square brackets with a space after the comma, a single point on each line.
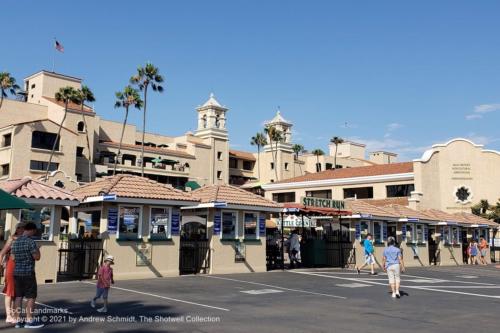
[402, 75]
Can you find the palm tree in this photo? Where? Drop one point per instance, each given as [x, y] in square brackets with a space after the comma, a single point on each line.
[274, 136]
[145, 77]
[66, 95]
[318, 152]
[297, 149]
[258, 140]
[125, 99]
[336, 140]
[7, 84]
[85, 95]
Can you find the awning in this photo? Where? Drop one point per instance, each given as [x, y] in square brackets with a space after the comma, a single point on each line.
[8, 201]
[192, 185]
[299, 208]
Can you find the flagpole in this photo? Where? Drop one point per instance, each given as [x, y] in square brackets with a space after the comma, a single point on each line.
[54, 58]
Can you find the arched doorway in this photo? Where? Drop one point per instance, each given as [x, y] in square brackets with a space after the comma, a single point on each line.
[194, 254]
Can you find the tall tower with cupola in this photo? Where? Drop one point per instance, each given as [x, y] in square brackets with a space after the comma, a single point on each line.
[212, 129]
[278, 159]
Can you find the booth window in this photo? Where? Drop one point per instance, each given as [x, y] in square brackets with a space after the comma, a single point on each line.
[229, 225]
[455, 235]
[88, 224]
[446, 235]
[420, 233]
[377, 232]
[43, 218]
[159, 223]
[410, 233]
[365, 229]
[250, 225]
[130, 218]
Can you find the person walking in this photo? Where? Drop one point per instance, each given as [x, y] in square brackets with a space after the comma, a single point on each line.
[104, 282]
[474, 251]
[369, 255]
[393, 264]
[294, 250]
[9, 265]
[483, 248]
[25, 252]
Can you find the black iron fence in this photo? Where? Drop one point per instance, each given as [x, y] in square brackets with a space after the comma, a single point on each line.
[79, 259]
[194, 257]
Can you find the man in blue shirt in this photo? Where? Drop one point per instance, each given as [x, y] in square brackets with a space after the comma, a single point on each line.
[393, 265]
[369, 257]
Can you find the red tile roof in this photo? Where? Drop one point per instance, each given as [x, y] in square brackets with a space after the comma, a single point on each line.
[403, 201]
[364, 171]
[129, 186]
[474, 219]
[243, 155]
[35, 189]
[160, 151]
[71, 106]
[232, 195]
[364, 208]
[406, 212]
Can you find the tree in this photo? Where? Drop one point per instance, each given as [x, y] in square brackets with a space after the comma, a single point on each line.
[66, 95]
[275, 136]
[146, 76]
[484, 209]
[85, 95]
[7, 84]
[318, 152]
[336, 140]
[258, 140]
[297, 149]
[125, 99]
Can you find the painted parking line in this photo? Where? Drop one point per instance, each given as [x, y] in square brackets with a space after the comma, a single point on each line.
[273, 286]
[261, 291]
[427, 288]
[353, 285]
[164, 297]
[58, 310]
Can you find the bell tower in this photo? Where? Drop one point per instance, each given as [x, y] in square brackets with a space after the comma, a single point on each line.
[212, 129]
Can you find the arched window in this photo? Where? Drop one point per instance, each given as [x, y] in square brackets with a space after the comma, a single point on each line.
[217, 121]
[204, 119]
[81, 126]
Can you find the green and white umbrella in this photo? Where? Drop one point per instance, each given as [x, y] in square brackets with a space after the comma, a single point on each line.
[8, 201]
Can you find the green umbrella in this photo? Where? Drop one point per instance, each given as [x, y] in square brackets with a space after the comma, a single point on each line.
[8, 201]
[156, 160]
[193, 185]
[167, 161]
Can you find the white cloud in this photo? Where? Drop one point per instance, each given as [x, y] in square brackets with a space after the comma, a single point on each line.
[480, 110]
[481, 139]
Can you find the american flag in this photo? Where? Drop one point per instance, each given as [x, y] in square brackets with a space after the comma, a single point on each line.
[59, 47]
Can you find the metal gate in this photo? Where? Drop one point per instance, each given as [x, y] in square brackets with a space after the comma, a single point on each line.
[340, 251]
[79, 259]
[194, 257]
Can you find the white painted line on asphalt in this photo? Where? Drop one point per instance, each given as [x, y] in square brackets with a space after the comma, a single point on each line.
[467, 276]
[403, 287]
[462, 287]
[164, 297]
[59, 310]
[273, 286]
[352, 285]
[261, 291]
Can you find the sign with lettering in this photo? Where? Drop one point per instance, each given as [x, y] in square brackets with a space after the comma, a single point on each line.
[262, 225]
[143, 254]
[175, 226]
[112, 220]
[217, 222]
[322, 203]
[384, 232]
[403, 232]
[358, 231]
[426, 233]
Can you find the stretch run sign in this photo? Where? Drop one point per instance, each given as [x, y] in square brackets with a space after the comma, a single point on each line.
[322, 203]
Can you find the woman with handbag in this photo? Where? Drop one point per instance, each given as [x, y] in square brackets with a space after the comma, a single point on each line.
[8, 264]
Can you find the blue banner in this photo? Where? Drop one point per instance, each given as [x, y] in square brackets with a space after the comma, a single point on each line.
[403, 232]
[175, 225]
[262, 225]
[358, 231]
[217, 222]
[112, 220]
[384, 232]
[426, 233]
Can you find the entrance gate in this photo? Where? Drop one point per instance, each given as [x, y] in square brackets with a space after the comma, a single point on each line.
[194, 254]
[340, 251]
[79, 259]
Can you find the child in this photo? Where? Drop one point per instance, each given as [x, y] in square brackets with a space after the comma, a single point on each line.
[104, 281]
